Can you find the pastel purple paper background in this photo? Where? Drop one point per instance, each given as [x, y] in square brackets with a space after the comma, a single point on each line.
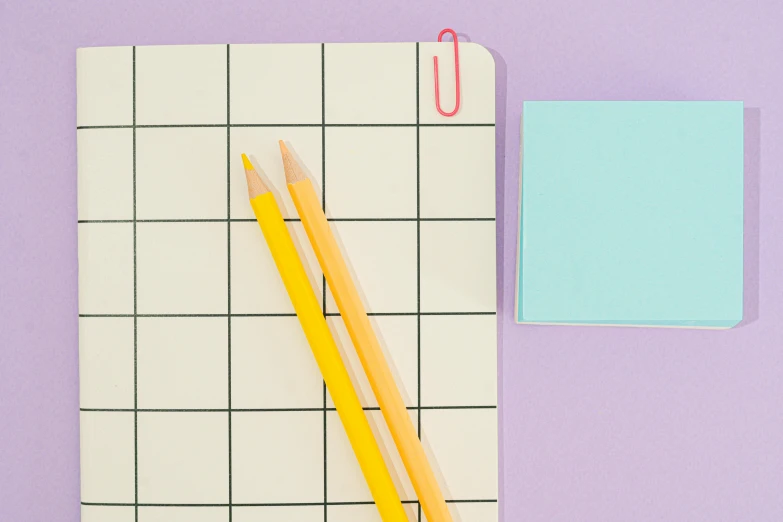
[597, 424]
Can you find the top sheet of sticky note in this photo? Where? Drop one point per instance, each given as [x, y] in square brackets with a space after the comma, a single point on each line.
[631, 213]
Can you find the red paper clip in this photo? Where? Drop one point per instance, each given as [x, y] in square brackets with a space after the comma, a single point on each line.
[456, 74]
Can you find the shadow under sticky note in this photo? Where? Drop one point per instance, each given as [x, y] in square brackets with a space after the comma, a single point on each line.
[631, 214]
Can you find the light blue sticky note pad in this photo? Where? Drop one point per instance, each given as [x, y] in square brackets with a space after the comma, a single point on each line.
[631, 214]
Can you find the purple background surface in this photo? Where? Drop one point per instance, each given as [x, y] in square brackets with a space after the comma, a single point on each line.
[597, 424]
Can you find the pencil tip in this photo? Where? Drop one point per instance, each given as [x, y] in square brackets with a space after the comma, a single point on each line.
[255, 187]
[293, 172]
[246, 163]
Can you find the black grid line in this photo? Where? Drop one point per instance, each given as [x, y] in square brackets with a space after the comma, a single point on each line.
[282, 410]
[135, 318]
[323, 276]
[328, 314]
[290, 220]
[418, 262]
[208, 125]
[292, 504]
[228, 232]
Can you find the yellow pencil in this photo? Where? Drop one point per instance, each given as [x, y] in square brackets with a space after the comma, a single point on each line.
[324, 348]
[365, 341]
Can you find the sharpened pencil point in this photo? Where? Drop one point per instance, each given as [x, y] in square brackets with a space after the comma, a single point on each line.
[293, 172]
[255, 187]
[246, 163]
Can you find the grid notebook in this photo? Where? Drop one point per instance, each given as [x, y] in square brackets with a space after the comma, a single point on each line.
[202, 402]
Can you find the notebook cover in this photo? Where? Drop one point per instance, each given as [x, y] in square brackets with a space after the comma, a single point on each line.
[631, 214]
[200, 398]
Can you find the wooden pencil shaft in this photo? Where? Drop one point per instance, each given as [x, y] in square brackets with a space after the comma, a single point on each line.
[308, 310]
[369, 350]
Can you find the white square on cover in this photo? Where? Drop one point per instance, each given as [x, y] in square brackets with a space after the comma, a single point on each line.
[183, 514]
[104, 83]
[368, 513]
[108, 513]
[345, 480]
[182, 268]
[107, 460]
[382, 258]
[261, 146]
[371, 84]
[478, 94]
[105, 268]
[275, 84]
[181, 84]
[106, 362]
[272, 365]
[277, 457]
[256, 287]
[457, 172]
[458, 266]
[105, 178]
[182, 362]
[181, 173]
[398, 336]
[183, 457]
[463, 445]
[371, 172]
[459, 360]
[277, 514]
